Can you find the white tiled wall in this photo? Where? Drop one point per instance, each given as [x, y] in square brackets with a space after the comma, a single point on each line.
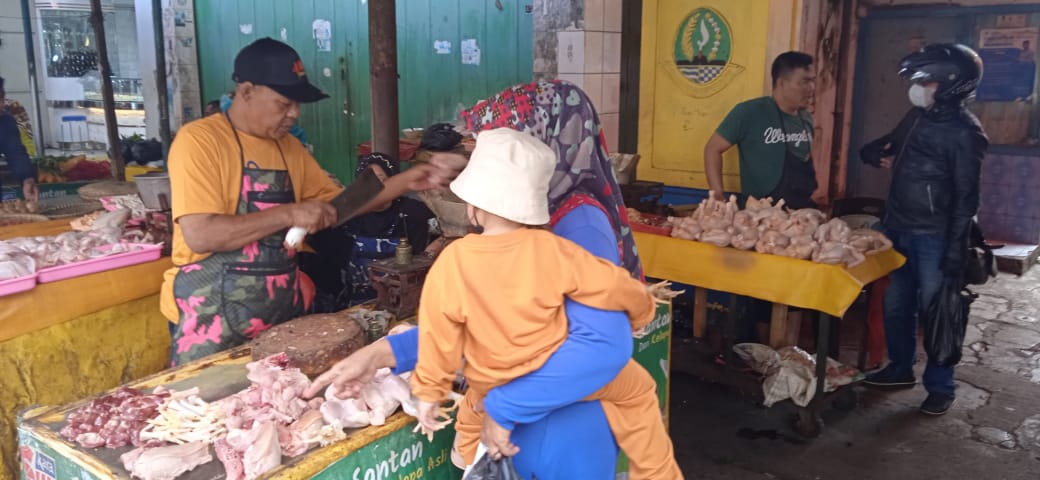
[593, 52]
[611, 99]
[602, 81]
[611, 52]
[612, 15]
[590, 56]
[594, 89]
[594, 15]
[570, 53]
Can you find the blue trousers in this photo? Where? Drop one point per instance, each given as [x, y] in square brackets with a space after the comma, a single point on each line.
[913, 287]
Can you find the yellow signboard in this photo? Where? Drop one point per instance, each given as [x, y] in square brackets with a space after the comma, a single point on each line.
[699, 59]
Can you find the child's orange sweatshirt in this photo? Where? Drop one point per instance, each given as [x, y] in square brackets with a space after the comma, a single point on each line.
[498, 301]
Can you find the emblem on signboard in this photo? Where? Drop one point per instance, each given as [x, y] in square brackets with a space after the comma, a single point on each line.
[703, 46]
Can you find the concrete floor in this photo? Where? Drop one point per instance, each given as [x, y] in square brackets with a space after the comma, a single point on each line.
[992, 432]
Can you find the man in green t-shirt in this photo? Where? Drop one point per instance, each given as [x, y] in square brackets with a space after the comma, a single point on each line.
[774, 135]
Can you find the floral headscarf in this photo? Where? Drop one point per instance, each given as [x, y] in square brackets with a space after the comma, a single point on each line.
[561, 115]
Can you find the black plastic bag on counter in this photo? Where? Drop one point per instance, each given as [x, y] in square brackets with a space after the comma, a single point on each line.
[946, 322]
[440, 137]
[488, 469]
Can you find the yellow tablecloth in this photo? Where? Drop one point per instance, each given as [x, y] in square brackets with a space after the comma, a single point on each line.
[36, 229]
[54, 303]
[800, 283]
[70, 339]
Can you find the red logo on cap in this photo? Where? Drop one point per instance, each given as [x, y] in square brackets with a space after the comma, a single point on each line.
[297, 68]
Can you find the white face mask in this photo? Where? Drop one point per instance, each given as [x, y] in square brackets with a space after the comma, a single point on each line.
[921, 96]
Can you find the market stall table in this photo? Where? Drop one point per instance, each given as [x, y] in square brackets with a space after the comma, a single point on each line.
[69, 339]
[382, 449]
[827, 289]
[385, 451]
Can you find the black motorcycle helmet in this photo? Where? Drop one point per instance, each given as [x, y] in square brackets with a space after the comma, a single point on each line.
[956, 68]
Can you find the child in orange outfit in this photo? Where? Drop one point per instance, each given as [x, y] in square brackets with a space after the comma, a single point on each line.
[497, 299]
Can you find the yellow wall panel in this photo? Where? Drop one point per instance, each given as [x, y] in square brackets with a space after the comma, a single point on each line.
[699, 59]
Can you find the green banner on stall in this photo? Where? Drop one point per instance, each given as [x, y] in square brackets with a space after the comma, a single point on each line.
[401, 455]
[47, 190]
[652, 352]
[40, 462]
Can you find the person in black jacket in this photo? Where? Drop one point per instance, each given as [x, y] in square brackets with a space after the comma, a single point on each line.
[935, 154]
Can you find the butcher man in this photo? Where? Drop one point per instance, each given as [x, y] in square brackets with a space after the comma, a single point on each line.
[238, 182]
[774, 135]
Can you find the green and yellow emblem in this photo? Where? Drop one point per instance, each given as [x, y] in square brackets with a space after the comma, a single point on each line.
[703, 46]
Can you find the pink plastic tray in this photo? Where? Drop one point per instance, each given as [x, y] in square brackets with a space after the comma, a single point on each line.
[18, 285]
[144, 253]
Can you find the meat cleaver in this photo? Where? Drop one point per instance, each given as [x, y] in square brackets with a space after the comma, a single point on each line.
[365, 188]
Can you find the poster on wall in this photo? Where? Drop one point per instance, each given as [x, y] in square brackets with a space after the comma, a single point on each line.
[321, 30]
[1009, 57]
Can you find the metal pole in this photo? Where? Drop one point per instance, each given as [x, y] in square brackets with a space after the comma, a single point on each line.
[30, 55]
[97, 20]
[841, 86]
[160, 77]
[382, 51]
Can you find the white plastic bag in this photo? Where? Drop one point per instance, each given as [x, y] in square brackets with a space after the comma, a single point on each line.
[791, 372]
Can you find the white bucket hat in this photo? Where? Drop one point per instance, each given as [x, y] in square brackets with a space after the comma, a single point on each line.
[508, 175]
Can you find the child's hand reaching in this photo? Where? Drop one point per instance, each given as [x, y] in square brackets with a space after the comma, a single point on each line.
[433, 417]
[662, 292]
[496, 439]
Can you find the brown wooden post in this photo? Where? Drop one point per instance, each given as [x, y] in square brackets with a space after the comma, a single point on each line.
[115, 152]
[382, 51]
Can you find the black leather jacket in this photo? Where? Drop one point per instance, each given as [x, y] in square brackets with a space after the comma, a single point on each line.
[935, 175]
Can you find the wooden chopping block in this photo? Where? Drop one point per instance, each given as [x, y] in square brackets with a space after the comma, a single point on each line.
[313, 343]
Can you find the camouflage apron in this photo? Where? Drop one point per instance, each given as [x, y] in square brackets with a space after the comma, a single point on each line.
[228, 298]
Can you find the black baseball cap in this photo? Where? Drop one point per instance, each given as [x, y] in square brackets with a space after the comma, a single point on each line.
[277, 66]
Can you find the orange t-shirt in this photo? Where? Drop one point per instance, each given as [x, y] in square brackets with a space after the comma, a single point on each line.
[206, 178]
[498, 301]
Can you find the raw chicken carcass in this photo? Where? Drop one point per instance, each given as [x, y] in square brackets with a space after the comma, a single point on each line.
[801, 247]
[836, 230]
[869, 241]
[745, 239]
[304, 433]
[716, 215]
[263, 453]
[396, 387]
[743, 221]
[344, 413]
[686, 228]
[802, 222]
[772, 242]
[719, 238]
[772, 219]
[379, 403]
[809, 215]
[165, 463]
[755, 204]
[776, 211]
[830, 252]
[280, 386]
[231, 458]
[835, 253]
